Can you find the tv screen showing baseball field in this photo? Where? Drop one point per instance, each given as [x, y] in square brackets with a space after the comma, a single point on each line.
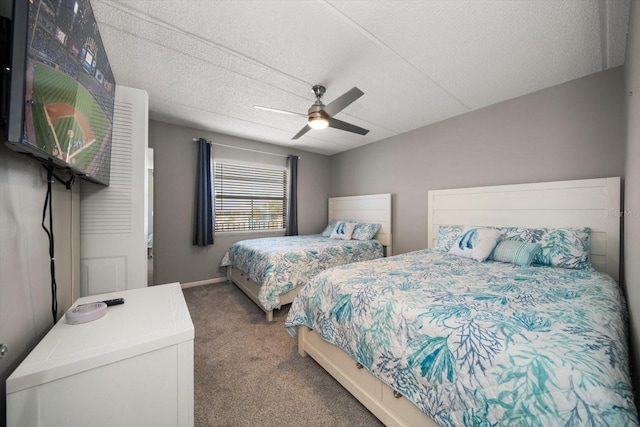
[70, 88]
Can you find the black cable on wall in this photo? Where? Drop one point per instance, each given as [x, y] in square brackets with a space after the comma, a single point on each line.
[48, 203]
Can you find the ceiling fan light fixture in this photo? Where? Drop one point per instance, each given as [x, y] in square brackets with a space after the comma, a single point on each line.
[316, 117]
[320, 116]
[318, 122]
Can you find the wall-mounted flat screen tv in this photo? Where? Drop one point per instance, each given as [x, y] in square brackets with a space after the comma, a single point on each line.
[61, 95]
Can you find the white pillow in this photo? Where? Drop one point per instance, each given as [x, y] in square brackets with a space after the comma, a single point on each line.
[476, 243]
[343, 230]
[329, 228]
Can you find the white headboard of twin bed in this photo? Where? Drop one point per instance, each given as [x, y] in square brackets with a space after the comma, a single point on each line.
[593, 203]
[371, 208]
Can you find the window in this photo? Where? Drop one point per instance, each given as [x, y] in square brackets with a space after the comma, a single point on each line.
[250, 198]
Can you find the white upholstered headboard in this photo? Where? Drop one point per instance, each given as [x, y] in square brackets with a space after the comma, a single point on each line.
[593, 203]
[372, 208]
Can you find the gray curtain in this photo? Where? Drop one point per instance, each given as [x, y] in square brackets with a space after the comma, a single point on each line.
[292, 202]
[204, 196]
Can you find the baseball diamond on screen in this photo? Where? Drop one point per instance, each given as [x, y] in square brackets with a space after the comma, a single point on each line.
[70, 87]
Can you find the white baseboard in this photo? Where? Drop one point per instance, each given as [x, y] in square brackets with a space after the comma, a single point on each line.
[203, 282]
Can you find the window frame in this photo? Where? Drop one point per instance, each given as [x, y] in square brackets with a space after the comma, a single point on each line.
[248, 166]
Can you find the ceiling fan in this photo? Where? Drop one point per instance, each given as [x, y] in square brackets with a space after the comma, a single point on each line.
[320, 116]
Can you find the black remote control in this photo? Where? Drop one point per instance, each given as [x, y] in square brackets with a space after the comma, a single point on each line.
[116, 301]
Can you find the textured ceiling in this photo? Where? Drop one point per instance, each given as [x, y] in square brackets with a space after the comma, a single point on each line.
[206, 63]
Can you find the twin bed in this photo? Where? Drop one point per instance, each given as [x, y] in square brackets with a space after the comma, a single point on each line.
[272, 270]
[432, 338]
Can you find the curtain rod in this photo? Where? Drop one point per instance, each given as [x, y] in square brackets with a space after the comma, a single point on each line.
[245, 149]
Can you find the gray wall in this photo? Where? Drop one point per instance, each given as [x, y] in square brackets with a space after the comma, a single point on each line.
[25, 284]
[632, 189]
[175, 155]
[570, 131]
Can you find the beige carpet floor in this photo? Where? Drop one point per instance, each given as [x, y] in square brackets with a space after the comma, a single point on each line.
[248, 372]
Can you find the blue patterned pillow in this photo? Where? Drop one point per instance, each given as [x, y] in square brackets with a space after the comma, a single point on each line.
[329, 228]
[343, 230]
[561, 247]
[515, 252]
[476, 243]
[447, 237]
[365, 231]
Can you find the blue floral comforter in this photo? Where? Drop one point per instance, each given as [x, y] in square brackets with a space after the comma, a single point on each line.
[280, 264]
[480, 344]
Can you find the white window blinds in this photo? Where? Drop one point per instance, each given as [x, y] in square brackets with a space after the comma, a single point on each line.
[249, 197]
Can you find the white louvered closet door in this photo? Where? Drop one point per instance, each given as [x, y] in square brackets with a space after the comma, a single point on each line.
[113, 219]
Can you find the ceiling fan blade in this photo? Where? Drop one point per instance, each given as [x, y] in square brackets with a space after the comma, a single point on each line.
[275, 110]
[339, 124]
[304, 130]
[343, 101]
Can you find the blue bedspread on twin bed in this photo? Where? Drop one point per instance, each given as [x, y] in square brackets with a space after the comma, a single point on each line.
[480, 343]
[280, 264]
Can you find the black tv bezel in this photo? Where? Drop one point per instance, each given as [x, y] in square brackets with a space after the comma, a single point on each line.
[17, 98]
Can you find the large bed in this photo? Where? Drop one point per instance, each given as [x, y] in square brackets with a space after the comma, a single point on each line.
[430, 338]
[272, 270]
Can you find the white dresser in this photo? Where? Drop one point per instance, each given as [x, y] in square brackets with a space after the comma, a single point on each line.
[132, 367]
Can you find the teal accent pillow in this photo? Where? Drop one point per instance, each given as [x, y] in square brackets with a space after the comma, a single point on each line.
[515, 252]
[476, 243]
[365, 231]
[329, 228]
[446, 237]
[343, 230]
[561, 247]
